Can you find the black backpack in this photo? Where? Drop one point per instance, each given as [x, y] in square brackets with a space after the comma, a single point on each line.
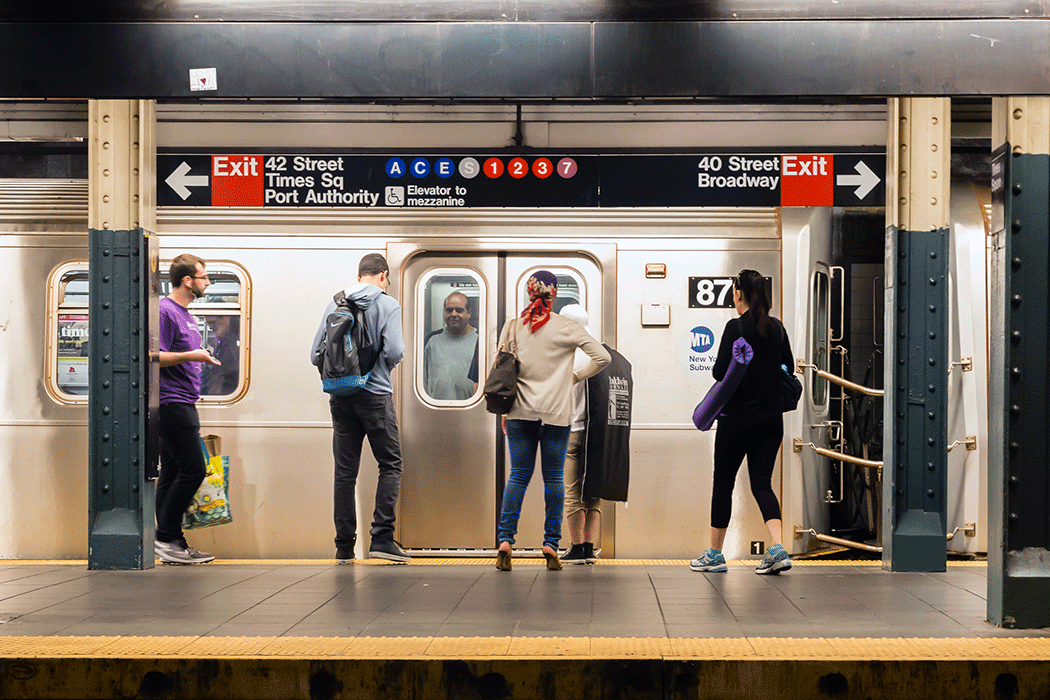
[348, 352]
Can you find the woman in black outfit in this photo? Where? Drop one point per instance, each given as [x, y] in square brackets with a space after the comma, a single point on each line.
[751, 423]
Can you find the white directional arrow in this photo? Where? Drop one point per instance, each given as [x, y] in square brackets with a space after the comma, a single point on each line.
[865, 180]
[180, 181]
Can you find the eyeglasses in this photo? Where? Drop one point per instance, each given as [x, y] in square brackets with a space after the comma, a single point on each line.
[201, 277]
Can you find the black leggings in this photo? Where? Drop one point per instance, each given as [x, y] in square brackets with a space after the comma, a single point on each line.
[735, 438]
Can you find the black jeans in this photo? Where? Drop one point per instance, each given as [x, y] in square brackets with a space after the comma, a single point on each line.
[182, 467]
[736, 437]
[354, 417]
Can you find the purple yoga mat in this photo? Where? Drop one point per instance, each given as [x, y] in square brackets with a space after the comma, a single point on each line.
[718, 396]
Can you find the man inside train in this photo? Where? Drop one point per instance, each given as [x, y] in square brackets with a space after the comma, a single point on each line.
[369, 412]
[448, 353]
[181, 358]
[224, 332]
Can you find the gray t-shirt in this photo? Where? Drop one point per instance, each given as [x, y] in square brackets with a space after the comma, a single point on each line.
[446, 363]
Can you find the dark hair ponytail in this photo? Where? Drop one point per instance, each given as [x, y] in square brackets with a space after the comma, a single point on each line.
[752, 286]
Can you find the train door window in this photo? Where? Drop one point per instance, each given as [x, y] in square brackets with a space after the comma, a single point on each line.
[223, 315]
[451, 305]
[821, 336]
[571, 289]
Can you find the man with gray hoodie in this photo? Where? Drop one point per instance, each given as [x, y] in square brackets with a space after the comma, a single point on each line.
[369, 412]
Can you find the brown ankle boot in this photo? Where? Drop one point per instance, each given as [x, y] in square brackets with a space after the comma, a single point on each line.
[503, 559]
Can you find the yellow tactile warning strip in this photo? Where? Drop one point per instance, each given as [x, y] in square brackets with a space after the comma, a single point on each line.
[761, 648]
[549, 646]
[55, 646]
[307, 646]
[789, 648]
[630, 647]
[712, 648]
[468, 647]
[473, 561]
[388, 647]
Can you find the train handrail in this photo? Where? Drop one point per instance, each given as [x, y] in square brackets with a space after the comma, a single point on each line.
[801, 365]
[799, 531]
[970, 441]
[969, 530]
[797, 446]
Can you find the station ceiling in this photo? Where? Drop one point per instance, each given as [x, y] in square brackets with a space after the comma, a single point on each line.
[437, 50]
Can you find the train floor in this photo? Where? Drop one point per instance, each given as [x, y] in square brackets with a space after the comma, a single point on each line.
[460, 628]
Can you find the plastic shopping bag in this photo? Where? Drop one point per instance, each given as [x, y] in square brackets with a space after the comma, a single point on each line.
[210, 505]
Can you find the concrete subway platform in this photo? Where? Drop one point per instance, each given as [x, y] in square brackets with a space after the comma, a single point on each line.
[460, 629]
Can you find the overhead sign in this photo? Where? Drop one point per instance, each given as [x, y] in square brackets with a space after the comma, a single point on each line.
[549, 180]
[744, 180]
[370, 181]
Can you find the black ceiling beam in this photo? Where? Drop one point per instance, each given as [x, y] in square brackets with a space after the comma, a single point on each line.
[392, 61]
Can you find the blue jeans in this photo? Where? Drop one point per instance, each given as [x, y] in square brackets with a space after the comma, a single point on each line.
[523, 437]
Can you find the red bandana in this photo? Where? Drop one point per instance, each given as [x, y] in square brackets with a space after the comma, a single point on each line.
[538, 311]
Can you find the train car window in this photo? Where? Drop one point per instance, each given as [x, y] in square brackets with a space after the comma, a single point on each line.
[821, 335]
[223, 316]
[70, 340]
[451, 308]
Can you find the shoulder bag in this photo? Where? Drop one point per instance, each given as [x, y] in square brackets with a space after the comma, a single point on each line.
[501, 386]
[790, 390]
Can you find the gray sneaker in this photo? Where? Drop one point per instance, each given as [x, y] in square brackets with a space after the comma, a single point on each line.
[199, 557]
[715, 563]
[774, 564]
[175, 553]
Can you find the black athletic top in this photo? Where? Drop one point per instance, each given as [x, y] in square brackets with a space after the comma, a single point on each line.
[758, 395]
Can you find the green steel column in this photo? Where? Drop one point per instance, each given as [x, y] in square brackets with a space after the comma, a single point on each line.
[915, 420]
[120, 496]
[1019, 392]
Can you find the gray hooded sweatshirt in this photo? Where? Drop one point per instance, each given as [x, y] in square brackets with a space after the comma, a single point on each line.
[383, 319]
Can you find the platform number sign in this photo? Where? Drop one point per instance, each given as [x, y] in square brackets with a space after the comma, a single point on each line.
[758, 547]
[716, 292]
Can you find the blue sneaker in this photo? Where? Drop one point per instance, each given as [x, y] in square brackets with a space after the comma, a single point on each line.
[709, 562]
[774, 563]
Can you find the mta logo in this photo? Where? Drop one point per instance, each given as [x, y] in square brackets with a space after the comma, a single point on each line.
[702, 339]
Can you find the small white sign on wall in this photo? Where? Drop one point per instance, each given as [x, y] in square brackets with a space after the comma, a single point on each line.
[203, 79]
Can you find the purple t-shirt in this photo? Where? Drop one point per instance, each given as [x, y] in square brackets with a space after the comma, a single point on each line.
[179, 383]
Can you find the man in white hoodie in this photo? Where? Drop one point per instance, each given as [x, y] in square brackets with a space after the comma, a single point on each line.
[369, 412]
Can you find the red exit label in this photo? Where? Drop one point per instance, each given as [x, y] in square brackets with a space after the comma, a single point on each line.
[807, 180]
[237, 181]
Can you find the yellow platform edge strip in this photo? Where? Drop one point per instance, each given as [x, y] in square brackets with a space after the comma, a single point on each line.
[742, 648]
[473, 561]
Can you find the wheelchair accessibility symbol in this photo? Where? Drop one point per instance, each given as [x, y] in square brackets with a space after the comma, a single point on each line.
[395, 196]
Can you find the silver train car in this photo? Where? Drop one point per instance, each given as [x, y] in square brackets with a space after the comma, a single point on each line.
[275, 268]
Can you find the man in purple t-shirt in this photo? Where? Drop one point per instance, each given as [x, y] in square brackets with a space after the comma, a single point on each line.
[182, 467]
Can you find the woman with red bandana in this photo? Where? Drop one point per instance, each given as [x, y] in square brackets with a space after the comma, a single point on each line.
[543, 410]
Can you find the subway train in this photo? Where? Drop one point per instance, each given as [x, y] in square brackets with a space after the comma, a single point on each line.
[654, 280]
